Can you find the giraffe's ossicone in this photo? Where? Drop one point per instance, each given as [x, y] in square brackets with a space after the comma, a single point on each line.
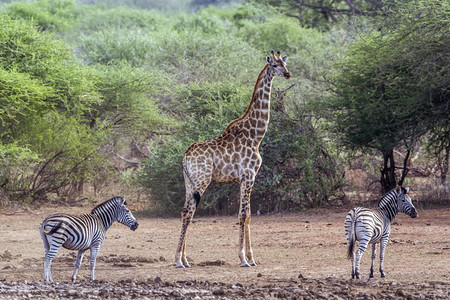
[233, 156]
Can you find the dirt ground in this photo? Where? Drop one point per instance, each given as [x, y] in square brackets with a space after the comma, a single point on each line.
[300, 255]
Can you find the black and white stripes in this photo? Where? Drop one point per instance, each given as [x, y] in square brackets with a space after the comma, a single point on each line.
[372, 226]
[82, 232]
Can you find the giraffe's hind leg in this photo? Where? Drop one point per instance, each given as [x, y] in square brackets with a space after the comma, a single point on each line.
[186, 217]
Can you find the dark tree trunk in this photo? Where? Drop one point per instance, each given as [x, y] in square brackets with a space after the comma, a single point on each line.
[444, 169]
[405, 168]
[388, 177]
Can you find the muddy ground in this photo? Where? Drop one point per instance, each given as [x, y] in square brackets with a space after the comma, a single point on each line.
[299, 255]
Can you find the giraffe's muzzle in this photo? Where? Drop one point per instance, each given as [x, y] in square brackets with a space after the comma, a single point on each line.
[287, 75]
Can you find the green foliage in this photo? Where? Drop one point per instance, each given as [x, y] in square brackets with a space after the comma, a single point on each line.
[172, 5]
[162, 81]
[97, 18]
[128, 100]
[298, 171]
[323, 14]
[385, 94]
[45, 95]
[386, 97]
[46, 13]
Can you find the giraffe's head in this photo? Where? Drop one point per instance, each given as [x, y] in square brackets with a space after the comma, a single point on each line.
[278, 64]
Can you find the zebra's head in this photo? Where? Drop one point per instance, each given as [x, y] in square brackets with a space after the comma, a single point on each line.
[404, 202]
[126, 217]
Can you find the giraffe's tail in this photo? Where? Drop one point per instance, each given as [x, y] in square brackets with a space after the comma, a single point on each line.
[197, 198]
[196, 194]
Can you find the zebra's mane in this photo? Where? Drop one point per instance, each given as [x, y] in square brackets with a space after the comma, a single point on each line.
[388, 203]
[106, 203]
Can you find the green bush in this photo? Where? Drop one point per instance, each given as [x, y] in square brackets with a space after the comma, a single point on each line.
[48, 14]
[45, 96]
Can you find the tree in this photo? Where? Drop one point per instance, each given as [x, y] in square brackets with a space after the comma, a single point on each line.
[392, 88]
[45, 141]
[320, 13]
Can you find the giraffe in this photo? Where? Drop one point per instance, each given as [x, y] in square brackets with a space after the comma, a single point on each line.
[233, 156]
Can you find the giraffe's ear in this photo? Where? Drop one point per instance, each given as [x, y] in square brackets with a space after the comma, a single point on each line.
[268, 60]
[285, 59]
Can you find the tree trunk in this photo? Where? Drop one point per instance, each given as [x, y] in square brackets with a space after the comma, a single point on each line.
[405, 168]
[388, 177]
[444, 169]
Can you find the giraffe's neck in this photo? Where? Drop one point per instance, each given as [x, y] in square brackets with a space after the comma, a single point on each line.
[256, 118]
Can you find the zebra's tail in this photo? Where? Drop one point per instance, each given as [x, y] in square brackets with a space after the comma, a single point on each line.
[53, 230]
[351, 235]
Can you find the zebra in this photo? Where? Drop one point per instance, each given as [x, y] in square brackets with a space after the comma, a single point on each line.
[372, 226]
[86, 231]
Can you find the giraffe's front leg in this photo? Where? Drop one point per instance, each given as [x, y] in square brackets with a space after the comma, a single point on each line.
[248, 240]
[245, 250]
[242, 254]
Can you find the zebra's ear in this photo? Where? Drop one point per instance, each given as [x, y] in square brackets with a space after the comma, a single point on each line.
[398, 189]
[406, 189]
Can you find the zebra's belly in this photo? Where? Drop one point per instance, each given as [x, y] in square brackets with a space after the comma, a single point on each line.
[78, 244]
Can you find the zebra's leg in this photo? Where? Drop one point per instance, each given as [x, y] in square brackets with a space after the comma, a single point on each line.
[383, 243]
[77, 264]
[46, 248]
[94, 252]
[359, 253]
[353, 264]
[49, 256]
[374, 255]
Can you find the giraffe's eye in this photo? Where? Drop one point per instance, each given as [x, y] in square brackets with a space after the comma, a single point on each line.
[274, 66]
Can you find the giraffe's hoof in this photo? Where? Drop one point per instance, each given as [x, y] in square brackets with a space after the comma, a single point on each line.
[179, 266]
[245, 265]
[253, 264]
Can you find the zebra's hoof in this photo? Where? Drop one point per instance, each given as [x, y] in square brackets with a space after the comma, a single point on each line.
[383, 275]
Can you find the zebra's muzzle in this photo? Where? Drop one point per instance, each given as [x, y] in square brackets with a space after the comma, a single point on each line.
[134, 226]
